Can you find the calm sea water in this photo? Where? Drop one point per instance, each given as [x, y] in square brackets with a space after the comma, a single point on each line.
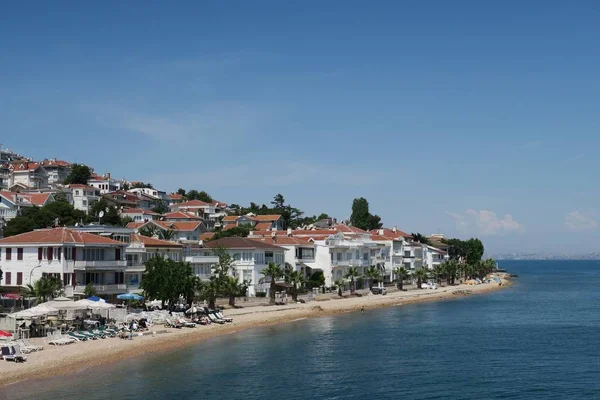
[536, 340]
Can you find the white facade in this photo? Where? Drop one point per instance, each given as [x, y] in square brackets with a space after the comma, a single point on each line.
[105, 184]
[360, 252]
[75, 264]
[84, 197]
[29, 175]
[154, 193]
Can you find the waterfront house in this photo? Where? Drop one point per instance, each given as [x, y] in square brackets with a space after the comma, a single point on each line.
[182, 231]
[250, 258]
[76, 258]
[139, 215]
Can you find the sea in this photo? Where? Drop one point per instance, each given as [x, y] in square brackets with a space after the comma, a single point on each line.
[538, 339]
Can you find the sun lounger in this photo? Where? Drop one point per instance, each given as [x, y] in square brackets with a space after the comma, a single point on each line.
[220, 315]
[77, 336]
[186, 323]
[57, 338]
[29, 344]
[214, 319]
[24, 348]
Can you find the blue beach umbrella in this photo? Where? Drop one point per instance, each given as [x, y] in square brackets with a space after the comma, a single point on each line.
[130, 296]
[95, 298]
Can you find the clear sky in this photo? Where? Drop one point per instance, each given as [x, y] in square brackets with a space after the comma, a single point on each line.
[464, 117]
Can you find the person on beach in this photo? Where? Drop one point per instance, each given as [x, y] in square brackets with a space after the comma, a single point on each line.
[362, 310]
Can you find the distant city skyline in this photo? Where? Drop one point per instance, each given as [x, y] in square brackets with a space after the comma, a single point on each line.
[466, 118]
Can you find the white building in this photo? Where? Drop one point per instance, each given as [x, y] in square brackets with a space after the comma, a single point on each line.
[257, 222]
[84, 197]
[28, 175]
[181, 231]
[139, 215]
[153, 193]
[301, 253]
[57, 170]
[76, 258]
[250, 258]
[12, 203]
[105, 184]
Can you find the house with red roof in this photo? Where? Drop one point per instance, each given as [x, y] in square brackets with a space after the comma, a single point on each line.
[139, 215]
[173, 231]
[11, 203]
[27, 175]
[76, 258]
[105, 183]
[57, 170]
[257, 222]
[84, 196]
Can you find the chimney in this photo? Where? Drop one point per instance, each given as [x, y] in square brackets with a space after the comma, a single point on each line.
[394, 229]
[289, 232]
[108, 175]
[380, 232]
[251, 233]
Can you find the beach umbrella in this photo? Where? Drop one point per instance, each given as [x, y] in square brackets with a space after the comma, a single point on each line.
[96, 298]
[5, 334]
[130, 296]
[63, 303]
[101, 306]
[192, 310]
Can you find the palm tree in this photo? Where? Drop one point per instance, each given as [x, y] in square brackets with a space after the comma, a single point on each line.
[296, 279]
[439, 271]
[234, 288]
[401, 275]
[451, 268]
[352, 274]
[340, 283]
[270, 274]
[43, 289]
[148, 230]
[421, 274]
[373, 275]
[166, 234]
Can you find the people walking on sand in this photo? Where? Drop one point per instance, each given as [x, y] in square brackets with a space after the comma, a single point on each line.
[362, 310]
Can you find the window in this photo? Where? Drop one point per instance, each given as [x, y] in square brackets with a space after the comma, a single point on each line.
[50, 253]
[70, 253]
[66, 279]
[118, 254]
[20, 253]
[94, 255]
[259, 258]
[8, 254]
[407, 254]
[339, 256]
[247, 275]
[246, 256]
[366, 256]
[237, 256]
[40, 253]
[19, 278]
[279, 259]
[358, 254]
[7, 278]
[349, 255]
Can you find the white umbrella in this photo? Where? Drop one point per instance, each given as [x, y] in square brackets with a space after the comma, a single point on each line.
[98, 305]
[63, 303]
[192, 310]
[36, 311]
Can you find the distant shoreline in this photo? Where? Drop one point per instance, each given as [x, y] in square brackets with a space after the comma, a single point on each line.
[67, 359]
[547, 259]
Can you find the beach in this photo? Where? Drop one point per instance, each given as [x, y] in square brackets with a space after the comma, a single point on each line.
[66, 359]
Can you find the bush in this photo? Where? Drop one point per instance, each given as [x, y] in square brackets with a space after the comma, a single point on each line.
[261, 294]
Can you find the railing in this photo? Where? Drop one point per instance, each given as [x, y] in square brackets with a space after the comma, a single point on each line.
[101, 264]
[306, 258]
[103, 288]
[351, 263]
[202, 259]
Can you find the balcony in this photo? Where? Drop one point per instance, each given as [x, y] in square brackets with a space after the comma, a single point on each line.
[305, 259]
[103, 289]
[202, 259]
[351, 263]
[100, 264]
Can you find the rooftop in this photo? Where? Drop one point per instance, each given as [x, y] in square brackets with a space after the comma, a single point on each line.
[59, 236]
[241, 243]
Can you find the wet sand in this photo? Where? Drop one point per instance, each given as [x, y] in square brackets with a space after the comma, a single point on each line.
[66, 359]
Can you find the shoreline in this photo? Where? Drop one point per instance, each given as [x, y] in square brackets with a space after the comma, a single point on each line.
[77, 357]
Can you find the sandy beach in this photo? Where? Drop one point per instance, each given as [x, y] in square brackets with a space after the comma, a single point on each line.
[56, 360]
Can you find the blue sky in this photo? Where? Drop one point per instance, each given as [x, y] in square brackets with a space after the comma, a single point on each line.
[467, 117]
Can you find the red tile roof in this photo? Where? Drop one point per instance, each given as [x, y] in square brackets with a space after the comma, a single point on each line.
[262, 226]
[181, 215]
[135, 225]
[138, 211]
[78, 186]
[178, 225]
[151, 242]
[391, 234]
[206, 236]
[267, 217]
[191, 203]
[59, 236]
[231, 218]
[284, 241]
[55, 163]
[38, 199]
[241, 243]
[175, 196]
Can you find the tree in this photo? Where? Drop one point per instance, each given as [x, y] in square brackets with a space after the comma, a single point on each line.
[234, 288]
[373, 275]
[89, 290]
[352, 274]
[160, 207]
[125, 221]
[296, 279]
[421, 274]
[80, 175]
[181, 192]
[278, 201]
[317, 279]
[451, 268]
[110, 214]
[417, 237]
[149, 230]
[142, 185]
[205, 197]
[401, 275]
[362, 218]
[61, 196]
[238, 231]
[270, 274]
[167, 280]
[43, 289]
[340, 283]
[166, 234]
[439, 271]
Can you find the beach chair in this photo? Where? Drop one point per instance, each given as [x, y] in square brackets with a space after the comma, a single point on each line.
[186, 323]
[77, 336]
[24, 348]
[63, 339]
[88, 335]
[107, 332]
[220, 315]
[29, 344]
[214, 319]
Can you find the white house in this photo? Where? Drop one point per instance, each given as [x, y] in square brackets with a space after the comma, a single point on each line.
[104, 183]
[182, 231]
[57, 170]
[12, 203]
[139, 215]
[398, 252]
[258, 222]
[84, 197]
[76, 258]
[28, 175]
[153, 193]
[250, 258]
